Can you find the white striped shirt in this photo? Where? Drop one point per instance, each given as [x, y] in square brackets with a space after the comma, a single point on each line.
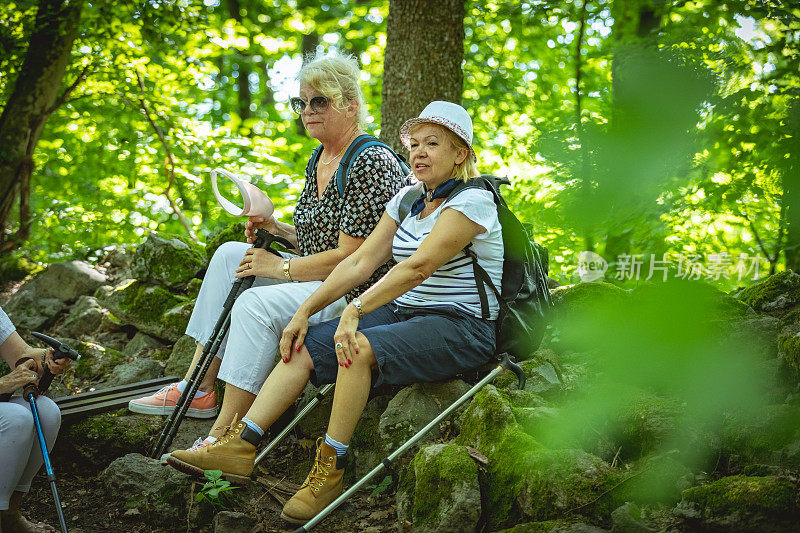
[6, 327]
[453, 284]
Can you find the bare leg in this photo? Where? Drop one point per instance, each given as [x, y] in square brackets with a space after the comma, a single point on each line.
[352, 391]
[236, 401]
[12, 521]
[282, 387]
[207, 384]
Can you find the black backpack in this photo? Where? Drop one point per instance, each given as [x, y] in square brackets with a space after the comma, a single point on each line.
[524, 297]
[361, 143]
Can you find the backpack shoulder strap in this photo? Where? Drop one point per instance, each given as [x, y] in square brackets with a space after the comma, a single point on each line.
[361, 143]
[406, 202]
[312, 162]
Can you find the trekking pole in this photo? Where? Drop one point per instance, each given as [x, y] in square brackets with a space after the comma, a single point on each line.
[506, 363]
[264, 239]
[29, 393]
[314, 401]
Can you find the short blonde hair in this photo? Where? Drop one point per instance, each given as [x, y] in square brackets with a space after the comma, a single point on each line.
[337, 77]
[467, 169]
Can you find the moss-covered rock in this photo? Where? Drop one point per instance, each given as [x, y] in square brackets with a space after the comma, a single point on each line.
[742, 503]
[570, 298]
[181, 356]
[150, 308]
[542, 375]
[645, 424]
[413, 408]
[655, 480]
[96, 362]
[765, 436]
[776, 295]
[487, 420]
[440, 491]
[159, 494]
[14, 267]
[232, 232]
[789, 355]
[97, 440]
[169, 260]
[554, 526]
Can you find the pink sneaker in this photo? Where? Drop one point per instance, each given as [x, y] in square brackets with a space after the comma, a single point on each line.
[164, 401]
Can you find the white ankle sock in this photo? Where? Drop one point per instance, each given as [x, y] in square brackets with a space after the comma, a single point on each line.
[340, 448]
[182, 386]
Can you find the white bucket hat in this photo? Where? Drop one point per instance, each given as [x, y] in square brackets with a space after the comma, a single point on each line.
[452, 116]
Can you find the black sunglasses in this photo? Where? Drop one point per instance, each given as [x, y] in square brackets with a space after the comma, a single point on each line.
[319, 104]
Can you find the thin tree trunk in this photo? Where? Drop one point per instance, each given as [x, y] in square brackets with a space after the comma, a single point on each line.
[791, 189]
[308, 46]
[424, 51]
[34, 97]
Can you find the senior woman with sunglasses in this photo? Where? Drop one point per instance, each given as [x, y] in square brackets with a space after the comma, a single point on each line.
[327, 228]
[421, 322]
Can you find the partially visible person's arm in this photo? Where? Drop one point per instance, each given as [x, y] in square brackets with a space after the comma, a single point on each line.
[13, 348]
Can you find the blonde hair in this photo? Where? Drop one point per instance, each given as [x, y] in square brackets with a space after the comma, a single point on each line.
[337, 77]
[466, 169]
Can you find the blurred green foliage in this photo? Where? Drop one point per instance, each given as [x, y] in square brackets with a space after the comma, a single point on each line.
[679, 145]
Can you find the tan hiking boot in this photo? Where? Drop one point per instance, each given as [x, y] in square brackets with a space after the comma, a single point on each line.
[321, 487]
[234, 453]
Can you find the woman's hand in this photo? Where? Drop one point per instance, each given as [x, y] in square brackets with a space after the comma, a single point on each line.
[253, 223]
[56, 367]
[259, 262]
[293, 335]
[19, 377]
[345, 341]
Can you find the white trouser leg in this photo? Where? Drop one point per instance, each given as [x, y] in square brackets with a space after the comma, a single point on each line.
[257, 322]
[22, 457]
[214, 291]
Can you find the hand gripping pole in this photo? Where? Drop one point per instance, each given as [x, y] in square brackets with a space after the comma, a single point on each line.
[506, 363]
[30, 392]
[264, 239]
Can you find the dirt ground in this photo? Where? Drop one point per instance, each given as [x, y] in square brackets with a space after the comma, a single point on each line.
[89, 508]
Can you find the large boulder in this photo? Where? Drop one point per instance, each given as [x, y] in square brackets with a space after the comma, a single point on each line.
[742, 503]
[181, 356]
[85, 318]
[526, 481]
[769, 435]
[158, 492]
[137, 370]
[440, 491]
[413, 408]
[168, 260]
[232, 232]
[96, 361]
[97, 440]
[774, 296]
[150, 308]
[141, 344]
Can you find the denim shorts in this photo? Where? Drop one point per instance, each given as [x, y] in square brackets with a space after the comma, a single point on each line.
[411, 345]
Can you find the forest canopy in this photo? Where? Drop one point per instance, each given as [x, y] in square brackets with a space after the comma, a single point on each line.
[660, 135]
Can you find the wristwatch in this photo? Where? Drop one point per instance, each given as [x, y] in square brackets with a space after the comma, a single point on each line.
[286, 269]
[357, 304]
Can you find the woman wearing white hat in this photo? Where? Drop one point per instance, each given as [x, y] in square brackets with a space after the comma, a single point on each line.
[422, 321]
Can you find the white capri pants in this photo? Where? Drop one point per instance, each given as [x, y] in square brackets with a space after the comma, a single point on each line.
[19, 443]
[257, 319]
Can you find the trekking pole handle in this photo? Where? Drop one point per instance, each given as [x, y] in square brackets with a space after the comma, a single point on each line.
[508, 364]
[60, 351]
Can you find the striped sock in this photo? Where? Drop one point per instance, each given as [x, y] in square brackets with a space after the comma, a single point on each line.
[252, 425]
[340, 448]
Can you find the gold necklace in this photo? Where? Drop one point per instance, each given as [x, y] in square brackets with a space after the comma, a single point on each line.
[344, 147]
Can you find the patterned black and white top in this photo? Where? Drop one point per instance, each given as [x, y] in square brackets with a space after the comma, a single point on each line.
[375, 177]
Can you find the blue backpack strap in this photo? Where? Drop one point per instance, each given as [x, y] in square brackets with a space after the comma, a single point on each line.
[312, 163]
[361, 143]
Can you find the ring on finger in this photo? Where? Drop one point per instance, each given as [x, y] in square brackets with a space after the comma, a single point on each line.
[338, 345]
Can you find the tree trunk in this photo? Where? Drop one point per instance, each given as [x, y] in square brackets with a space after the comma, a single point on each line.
[243, 95]
[791, 189]
[424, 51]
[635, 22]
[32, 100]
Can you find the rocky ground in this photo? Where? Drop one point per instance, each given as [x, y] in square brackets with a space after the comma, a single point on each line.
[670, 407]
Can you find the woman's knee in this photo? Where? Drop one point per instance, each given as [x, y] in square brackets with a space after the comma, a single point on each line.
[15, 418]
[364, 356]
[49, 413]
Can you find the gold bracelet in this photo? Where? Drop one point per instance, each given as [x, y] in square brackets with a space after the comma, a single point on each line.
[357, 304]
[286, 269]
